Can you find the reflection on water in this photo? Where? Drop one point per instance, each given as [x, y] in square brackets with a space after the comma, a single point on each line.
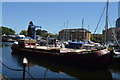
[40, 68]
[60, 68]
[115, 70]
[2, 44]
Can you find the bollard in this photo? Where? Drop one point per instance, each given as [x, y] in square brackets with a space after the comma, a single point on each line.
[25, 61]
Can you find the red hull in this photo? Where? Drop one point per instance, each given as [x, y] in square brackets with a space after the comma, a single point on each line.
[88, 59]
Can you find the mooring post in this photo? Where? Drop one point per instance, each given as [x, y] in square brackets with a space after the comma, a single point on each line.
[25, 61]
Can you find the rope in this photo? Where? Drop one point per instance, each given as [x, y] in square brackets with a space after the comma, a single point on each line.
[114, 33]
[11, 68]
[99, 19]
[45, 73]
[30, 75]
[17, 70]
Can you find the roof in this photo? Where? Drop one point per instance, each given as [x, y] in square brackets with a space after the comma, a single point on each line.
[81, 29]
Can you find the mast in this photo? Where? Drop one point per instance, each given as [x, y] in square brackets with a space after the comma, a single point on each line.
[106, 24]
[82, 23]
[83, 29]
[88, 36]
[66, 31]
[67, 24]
[88, 27]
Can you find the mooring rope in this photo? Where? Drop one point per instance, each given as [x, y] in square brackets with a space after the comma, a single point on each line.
[11, 68]
[100, 19]
[18, 70]
[114, 34]
[30, 75]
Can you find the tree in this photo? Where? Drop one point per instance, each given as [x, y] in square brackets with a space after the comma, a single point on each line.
[38, 32]
[50, 34]
[7, 31]
[92, 38]
[23, 32]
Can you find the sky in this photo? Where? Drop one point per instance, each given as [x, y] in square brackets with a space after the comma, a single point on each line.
[119, 9]
[58, 0]
[52, 16]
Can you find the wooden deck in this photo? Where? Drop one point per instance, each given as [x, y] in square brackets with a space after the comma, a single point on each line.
[62, 50]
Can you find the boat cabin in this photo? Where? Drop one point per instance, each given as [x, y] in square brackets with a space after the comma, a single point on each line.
[26, 42]
[87, 46]
[75, 45]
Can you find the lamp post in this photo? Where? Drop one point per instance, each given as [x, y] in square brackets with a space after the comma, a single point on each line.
[25, 62]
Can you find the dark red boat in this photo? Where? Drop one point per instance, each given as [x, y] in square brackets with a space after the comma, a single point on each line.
[80, 57]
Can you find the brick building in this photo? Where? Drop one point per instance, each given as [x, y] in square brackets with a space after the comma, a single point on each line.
[74, 34]
[112, 35]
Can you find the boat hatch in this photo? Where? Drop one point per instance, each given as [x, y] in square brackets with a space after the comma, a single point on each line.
[26, 42]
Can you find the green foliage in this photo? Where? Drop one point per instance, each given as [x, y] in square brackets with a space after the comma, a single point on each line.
[38, 32]
[7, 31]
[23, 32]
[92, 38]
[50, 34]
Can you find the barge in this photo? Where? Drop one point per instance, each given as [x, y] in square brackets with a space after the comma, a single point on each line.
[89, 58]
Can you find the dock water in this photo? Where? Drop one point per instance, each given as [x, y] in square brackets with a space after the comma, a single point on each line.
[40, 66]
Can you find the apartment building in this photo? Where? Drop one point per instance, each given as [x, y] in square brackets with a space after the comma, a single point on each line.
[111, 35]
[74, 34]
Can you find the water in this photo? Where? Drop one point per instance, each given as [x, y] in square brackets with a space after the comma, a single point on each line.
[43, 69]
